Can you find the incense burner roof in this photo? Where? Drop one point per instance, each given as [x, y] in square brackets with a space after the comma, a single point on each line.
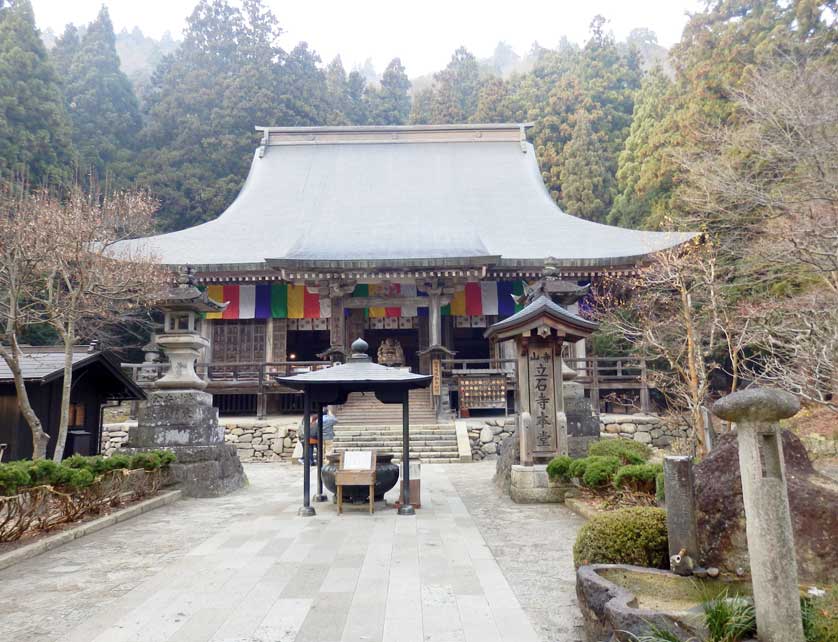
[421, 195]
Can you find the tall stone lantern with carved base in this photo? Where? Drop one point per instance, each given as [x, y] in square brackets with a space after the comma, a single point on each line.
[539, 330]
[178, 414]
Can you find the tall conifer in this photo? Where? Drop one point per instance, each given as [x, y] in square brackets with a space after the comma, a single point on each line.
[34, 131]
[101, 103]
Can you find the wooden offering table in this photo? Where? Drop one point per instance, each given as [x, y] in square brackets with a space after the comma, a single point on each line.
[356, 468]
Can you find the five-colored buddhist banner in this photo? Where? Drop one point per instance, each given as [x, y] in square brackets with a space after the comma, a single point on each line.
[289, 301]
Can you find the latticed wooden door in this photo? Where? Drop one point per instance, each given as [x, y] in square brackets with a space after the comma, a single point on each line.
[241, 342]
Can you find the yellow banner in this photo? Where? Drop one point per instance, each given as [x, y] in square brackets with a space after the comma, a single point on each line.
[377, 313]
[296, 301]
[458, 304]
[216, 293]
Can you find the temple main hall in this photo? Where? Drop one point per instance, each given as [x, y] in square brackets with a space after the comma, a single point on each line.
[416, 238]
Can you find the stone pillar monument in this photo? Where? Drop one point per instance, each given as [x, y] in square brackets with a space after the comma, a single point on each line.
[178, 414]
[538, 332]
[756, 413]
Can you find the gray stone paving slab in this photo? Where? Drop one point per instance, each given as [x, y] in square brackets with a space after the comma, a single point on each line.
[471, 566]
[532, 546]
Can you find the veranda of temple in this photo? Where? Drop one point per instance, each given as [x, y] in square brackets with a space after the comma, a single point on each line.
[415, 238]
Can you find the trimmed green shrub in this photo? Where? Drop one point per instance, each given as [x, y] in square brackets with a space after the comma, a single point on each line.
[43, 471]
[638, 477]
[559, 468]
[577, 468]
[628, 452]
[13, 476]
[149, 460]
[626, 536]
[115, 462]
[660, 491]
[76, 471]
[72, 477]
[599, 471]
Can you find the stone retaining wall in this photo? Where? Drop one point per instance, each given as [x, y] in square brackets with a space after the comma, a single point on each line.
[255, 440]
[485, 435]
[646, 429]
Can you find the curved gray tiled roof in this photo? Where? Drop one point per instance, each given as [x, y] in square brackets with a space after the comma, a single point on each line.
[398, 193]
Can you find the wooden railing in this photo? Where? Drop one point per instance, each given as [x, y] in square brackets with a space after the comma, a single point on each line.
[598, 375]
[254, 378]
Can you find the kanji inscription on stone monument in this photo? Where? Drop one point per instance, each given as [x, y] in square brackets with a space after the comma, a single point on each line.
[542, 388]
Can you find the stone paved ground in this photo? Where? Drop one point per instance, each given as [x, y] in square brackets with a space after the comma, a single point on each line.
[245, 568]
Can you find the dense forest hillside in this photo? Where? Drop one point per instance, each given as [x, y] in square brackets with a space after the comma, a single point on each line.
[733, 132]
[177, 117]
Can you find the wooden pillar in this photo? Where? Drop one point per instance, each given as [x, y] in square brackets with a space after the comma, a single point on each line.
[435, 316]
[337, 326]
[354, 328]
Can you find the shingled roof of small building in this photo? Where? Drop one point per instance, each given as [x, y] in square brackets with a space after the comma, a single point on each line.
[42, 364]
[429, 195]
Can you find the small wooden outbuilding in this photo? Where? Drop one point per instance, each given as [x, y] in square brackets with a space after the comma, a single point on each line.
[97, 379]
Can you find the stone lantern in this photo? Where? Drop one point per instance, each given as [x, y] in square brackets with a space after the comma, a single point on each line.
[539, 330]
[178, 414]
[181, 340]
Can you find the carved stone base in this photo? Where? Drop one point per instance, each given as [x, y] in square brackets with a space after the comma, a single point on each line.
[177, 418]
[203, 471]
[185, 422]
[532, 485]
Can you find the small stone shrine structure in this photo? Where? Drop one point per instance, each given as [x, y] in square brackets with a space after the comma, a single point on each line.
[179, 415]
[757, 413]
[539, 330]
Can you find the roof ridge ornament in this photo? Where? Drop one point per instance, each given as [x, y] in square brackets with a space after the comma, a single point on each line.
[359, 350]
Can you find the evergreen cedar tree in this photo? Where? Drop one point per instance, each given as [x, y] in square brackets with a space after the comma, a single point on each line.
[34, 128]
[605, 132]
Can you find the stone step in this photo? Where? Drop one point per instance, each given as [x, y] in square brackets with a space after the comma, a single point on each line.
[397, 439]
[393, 447]
[394, 434]
[452, 456]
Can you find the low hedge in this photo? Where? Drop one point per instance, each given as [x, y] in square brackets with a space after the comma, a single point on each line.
[559, 468]
[626, 536]
[599, 471]
[628, 452]
[638, 477]
[74, 472]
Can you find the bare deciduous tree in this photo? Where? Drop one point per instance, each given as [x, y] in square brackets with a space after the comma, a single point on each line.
[770, 190]
[24, 246]
[676, 313]
[73, 277]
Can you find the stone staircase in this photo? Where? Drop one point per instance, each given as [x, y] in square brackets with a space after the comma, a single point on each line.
[431, 444]
[363, 409]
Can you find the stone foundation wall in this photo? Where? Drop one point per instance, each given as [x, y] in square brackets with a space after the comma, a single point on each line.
[647, 429]
[268, 440]
[114, 435]
[485, 435]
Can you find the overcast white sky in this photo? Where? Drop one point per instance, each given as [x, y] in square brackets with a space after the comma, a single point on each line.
[423, 33]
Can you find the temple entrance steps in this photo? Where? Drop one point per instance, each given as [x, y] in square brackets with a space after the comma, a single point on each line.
[363, 409]
[431, 444]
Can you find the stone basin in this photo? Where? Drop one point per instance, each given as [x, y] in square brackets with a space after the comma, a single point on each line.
[623, 601]
[386, 476]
